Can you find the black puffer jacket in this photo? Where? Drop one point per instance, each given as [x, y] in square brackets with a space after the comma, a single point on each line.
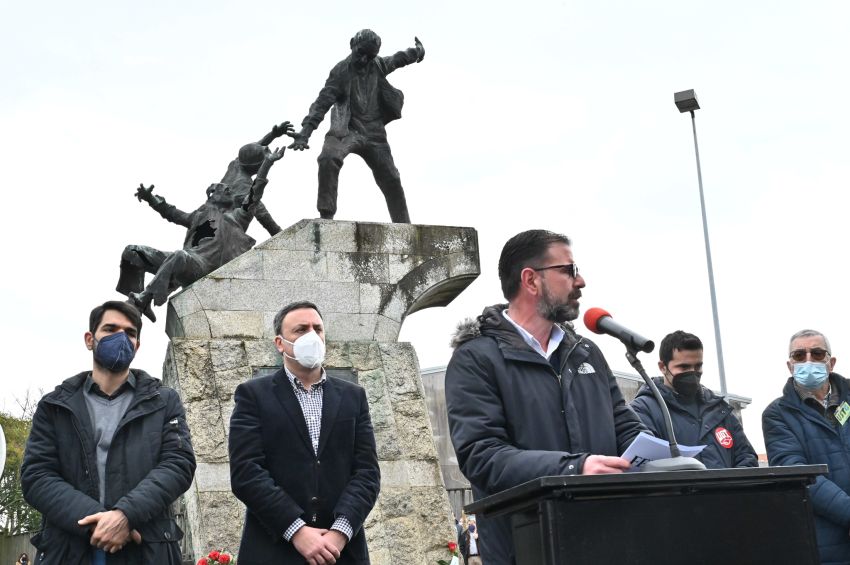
[513, 418]
[150, 464]
[717, 427]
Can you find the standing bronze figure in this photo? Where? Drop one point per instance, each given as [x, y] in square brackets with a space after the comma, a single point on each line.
[364, 102]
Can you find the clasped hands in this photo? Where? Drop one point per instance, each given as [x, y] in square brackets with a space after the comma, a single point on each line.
[318, 545]
[111, 530]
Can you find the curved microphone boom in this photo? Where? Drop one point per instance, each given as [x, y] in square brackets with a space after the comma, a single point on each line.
[600, 321]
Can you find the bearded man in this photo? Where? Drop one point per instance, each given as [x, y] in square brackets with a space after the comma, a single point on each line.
[527, 397]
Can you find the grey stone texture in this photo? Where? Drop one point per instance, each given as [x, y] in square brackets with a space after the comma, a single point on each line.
[366, 278]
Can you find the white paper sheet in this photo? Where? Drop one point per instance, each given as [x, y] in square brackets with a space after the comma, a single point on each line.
[646, 447]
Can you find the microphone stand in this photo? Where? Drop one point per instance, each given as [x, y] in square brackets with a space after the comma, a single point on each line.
[675, 462]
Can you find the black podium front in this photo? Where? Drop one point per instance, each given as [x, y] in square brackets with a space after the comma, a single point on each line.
[728, 516]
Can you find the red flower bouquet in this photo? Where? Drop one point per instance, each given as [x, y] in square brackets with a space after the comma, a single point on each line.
[217, 557]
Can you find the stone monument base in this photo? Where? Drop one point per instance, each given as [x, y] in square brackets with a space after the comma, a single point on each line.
[365, 278]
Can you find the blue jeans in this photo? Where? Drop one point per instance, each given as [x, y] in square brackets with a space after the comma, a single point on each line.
[98, 557]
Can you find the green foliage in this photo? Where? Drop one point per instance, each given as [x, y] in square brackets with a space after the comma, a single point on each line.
[16, 516]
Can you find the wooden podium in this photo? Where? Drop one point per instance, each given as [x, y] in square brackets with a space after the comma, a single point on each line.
[756, 515]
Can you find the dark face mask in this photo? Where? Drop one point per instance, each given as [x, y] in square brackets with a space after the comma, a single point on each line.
[114, 352]
[687, 383]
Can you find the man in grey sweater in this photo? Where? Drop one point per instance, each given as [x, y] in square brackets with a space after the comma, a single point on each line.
[108, 453]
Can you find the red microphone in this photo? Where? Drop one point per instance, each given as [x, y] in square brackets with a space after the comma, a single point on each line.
[600, 321]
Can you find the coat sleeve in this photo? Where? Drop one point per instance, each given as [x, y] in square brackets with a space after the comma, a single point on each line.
[171, 476]
[785, 447]
[743, 454]
[646, 407]
[250, 479]
[328, 95]
[399, 59]
[479, 428]
[44, 488]
[173, 214]
[361, 492]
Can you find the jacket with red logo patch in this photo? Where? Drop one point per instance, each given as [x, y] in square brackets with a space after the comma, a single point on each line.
[716, 426]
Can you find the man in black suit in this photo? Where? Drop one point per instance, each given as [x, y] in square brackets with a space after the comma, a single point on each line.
[302, 455]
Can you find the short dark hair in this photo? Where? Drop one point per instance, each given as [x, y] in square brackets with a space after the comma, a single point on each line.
[521, 251]
[299, 305]
[366, 36]
[128, 310]
[678, 340]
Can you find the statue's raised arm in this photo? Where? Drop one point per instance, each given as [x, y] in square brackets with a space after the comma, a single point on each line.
[260, 182]
[284, 128]
[158, 203]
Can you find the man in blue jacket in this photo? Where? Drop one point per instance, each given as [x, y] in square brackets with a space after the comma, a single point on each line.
[527, 397]
[699, 416]
[108, 453]
[807, 425]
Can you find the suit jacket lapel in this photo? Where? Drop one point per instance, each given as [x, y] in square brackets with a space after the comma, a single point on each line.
[282, 389]
[331, 398]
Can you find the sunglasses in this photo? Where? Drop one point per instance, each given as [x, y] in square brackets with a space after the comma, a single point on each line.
[570, 270]
[817, 353]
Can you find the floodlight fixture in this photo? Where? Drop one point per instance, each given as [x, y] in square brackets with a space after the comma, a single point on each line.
[686, 101]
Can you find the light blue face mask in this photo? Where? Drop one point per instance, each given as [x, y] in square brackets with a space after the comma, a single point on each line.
[810, 375]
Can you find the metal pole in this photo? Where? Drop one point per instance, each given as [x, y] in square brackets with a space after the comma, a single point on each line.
[720, 367]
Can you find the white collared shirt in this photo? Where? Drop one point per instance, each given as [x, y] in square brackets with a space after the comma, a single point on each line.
[555, 338]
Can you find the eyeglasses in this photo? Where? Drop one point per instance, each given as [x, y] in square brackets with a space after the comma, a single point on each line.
[569, 270]
[817, 353]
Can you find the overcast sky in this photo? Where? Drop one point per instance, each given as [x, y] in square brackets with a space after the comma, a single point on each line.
[555, 115]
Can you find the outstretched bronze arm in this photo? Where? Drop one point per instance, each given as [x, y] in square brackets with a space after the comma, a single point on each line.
[300, 139]
[261, 180]
[147, 195]
[158, 203]
[284, 128]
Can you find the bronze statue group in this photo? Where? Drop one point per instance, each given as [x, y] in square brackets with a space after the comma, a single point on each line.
[363, 103]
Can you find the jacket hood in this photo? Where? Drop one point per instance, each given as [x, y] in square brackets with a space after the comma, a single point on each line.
[492, 323]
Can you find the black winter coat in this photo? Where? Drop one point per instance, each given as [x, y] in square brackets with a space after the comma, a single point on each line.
[150, 464]
[513, 418]
[796, 434]
[715, 426]
[280, 478]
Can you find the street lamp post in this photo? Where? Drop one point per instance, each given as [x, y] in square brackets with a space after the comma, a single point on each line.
[686, 101]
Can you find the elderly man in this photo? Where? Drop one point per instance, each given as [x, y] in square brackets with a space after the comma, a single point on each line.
[302, 454]
[108, 453]
[699, 416]
[808, 425]
[527, 397]
[364, 103]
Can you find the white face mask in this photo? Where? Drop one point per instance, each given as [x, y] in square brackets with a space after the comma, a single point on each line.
[309, 350]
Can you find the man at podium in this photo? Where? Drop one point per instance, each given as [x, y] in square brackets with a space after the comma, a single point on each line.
[527, 397]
